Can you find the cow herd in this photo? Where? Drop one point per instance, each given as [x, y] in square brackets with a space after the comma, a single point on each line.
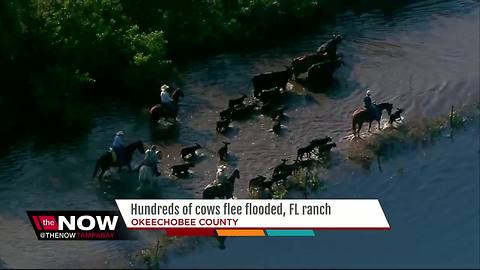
[269, 88]
[269, 94]
[318, 147]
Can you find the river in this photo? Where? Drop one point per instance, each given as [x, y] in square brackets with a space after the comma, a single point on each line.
[423, 57]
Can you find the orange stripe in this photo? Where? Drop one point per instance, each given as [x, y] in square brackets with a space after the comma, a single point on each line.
[241, 233]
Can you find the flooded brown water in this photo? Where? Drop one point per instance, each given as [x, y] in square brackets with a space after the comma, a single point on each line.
[423, 57]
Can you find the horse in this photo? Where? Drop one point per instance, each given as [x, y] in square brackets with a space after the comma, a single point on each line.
[106, 160]
[157, 111]
[223, 190]
[361, 116]
[146, 175]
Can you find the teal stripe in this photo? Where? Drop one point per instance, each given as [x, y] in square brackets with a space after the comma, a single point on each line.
[290, 232]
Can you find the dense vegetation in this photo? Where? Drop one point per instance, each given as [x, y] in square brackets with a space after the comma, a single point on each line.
[56, 56]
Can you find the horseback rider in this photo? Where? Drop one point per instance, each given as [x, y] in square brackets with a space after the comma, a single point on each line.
[370, 105]
[151, 159]
[221, 175]
[119, 147]
[167, 101]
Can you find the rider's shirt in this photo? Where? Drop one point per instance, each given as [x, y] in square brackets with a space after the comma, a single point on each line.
[118, 142]
[165, 97]
[368, 102]
[221, 176]
[150, 157]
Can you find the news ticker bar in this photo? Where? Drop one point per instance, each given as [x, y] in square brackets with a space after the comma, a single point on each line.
[221, 218]
[252, 217]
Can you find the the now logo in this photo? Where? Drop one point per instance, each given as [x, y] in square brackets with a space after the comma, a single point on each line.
[74, 223]
[78, 225]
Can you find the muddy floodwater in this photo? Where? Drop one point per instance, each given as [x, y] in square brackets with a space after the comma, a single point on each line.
[423, 57]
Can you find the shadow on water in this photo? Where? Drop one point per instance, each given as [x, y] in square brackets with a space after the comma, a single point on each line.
[125, 186]
[165, 132]
[334, 88]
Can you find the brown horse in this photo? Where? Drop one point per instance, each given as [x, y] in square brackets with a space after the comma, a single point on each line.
[361, 116]
[157, 111]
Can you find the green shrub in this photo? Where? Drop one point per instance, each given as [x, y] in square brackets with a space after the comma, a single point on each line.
[58, 98]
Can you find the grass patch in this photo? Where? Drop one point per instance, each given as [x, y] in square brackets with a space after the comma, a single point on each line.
[154, 256]
[305, 180]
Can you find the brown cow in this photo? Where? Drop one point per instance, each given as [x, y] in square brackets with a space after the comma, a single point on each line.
[303, 63]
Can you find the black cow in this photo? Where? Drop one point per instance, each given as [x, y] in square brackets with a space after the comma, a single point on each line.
[238, 101]
[323, 70]
[326, 148]
[189, 151]
[226, 114]
[329, 48]
[303, 63]
[270, 80]
[242, 111]
[317, 143]
[277, 126]
[271, 95]
[395, 116]
[181, 170]
[223, 125]
[257, 182]
[305, 151]
[278, 113]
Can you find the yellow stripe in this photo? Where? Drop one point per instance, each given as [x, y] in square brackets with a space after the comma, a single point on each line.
[241, 233]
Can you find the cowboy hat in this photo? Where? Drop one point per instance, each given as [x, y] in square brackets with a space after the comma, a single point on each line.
[120, 133]
[221, 168]
[153, 148]
[164, 87]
